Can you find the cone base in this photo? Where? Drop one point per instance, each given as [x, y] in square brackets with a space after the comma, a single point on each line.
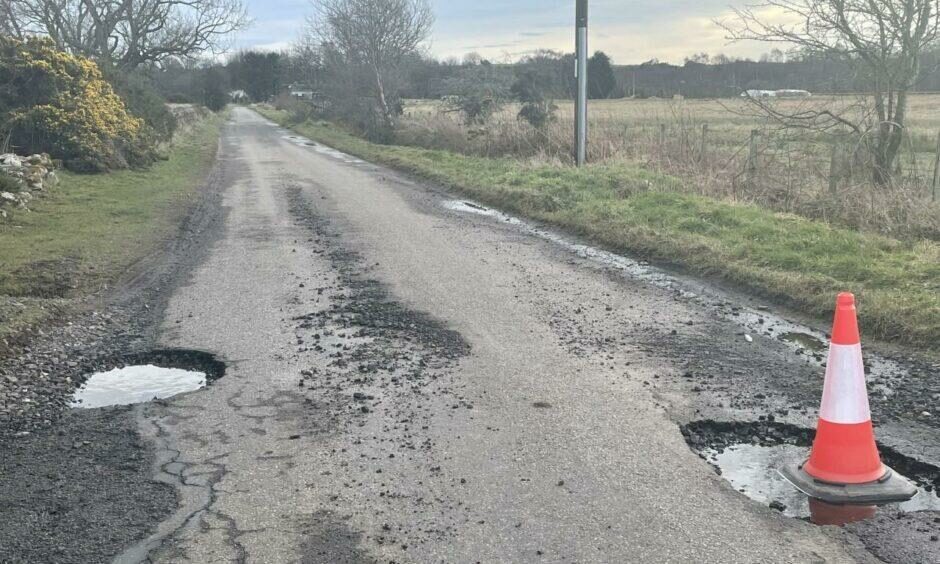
[892, 488]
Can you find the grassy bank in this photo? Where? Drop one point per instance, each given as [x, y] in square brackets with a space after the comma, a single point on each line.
[800, 262]
[90, 228]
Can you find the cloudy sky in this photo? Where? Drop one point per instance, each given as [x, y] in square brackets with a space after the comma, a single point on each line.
[631, 31]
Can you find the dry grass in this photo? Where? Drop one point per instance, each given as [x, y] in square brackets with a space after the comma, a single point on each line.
[792, 173]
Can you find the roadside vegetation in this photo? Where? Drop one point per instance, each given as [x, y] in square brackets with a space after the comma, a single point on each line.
[83, 89]
[630, 209]
[721, 148]
[82, 237]
[60, 104]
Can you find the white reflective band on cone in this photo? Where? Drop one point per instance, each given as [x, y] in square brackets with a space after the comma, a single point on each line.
[845, 398]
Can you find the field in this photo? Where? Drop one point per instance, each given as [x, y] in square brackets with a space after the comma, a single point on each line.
[646, 212]
[729, 120]
[709, 143]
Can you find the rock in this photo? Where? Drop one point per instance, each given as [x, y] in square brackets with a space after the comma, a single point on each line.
[33, 174]
[10, 160]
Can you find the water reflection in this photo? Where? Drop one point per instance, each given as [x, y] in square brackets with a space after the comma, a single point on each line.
[752, 470]
[822, 513]
[136, 384]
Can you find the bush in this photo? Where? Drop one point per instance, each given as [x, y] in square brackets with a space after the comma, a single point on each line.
[477, 93]
[57, 103]
[214, 89]
[298, 111]
[532, 90]
[143, 101]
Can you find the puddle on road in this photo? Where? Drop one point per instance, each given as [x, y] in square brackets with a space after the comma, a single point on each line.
[750, 455]
[804, 340]
[136, 384]
[322, 149]
[753, 471]
[143, 377]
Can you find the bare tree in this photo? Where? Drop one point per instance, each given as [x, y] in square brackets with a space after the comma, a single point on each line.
[8, 24]
[127, 33]
[883, 40]
[376, 34]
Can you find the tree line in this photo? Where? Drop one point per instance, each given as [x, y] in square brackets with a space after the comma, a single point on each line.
[361, 58]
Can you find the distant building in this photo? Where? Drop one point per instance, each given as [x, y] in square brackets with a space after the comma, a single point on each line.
[238, 96]
[302, 91]
[793, 94]
[759, 94]
[787, 93]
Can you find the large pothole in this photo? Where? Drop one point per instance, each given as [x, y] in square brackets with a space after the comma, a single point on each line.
[144, 377]
[749, 456]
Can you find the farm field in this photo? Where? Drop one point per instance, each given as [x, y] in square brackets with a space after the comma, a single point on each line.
[708, 143]
[729, 116]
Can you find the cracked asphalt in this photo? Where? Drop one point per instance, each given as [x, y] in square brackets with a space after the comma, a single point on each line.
[409, 383]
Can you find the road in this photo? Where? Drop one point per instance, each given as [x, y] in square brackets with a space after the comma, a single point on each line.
[409, 382]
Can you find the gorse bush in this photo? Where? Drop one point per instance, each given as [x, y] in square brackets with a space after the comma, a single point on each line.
[57, 103]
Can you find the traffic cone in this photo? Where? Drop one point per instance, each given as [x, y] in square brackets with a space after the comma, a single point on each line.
[844, 466]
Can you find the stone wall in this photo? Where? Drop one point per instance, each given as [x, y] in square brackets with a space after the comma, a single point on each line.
[31, 176]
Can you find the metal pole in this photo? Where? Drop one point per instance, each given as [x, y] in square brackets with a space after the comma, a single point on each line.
[936, 171]
[582, 75]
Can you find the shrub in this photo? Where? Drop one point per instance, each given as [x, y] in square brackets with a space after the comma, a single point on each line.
[298, 111]
[478, 92]
[532, 90]
[143, 101]
[57, 103]
[214, 89]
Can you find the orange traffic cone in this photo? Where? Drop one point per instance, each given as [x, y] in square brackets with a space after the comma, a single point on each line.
[844, 466]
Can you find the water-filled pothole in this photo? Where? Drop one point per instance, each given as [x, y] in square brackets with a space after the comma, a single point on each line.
[805, 340]
[143, 377]
[749, 455]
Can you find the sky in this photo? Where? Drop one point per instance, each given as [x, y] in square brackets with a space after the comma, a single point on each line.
[630, 31]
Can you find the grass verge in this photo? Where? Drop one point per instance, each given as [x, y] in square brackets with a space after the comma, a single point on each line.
[800, 262]
[90, 228]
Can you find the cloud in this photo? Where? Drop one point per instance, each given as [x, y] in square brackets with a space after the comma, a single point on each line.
[631, 32]
[626, 40]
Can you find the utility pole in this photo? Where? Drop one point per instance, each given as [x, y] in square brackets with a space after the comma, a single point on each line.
[580, 112]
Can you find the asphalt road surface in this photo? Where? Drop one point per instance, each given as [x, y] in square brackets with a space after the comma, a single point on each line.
[410, 381]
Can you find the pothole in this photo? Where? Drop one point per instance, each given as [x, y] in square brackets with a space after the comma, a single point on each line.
[749, 455]
[143, 377]
[804, 340]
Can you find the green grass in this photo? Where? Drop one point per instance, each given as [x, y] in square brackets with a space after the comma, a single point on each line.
[90, 229]
[800, 262]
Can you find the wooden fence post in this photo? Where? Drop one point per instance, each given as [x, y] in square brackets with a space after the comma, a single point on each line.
[935, 185]
[704, 147]
[662, 136]
[752, 159]
[835, 170]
